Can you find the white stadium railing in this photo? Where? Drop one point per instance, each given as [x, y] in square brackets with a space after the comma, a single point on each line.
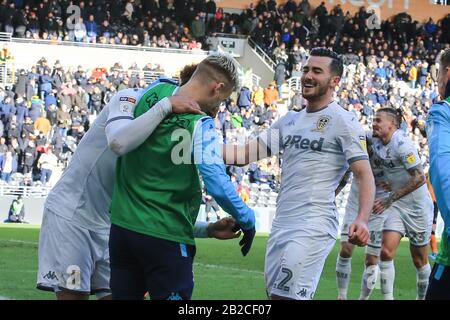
[108, 46]
[5, 36]
[293, 85]
[264, 56]
[25, 191]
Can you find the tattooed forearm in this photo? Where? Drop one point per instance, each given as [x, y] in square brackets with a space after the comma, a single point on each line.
[417, 180]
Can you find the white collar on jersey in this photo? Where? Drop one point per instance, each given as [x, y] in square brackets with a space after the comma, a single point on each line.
[332, 102]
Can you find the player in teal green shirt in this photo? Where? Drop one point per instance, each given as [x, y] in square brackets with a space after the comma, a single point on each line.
[157, 190]
[438, 133]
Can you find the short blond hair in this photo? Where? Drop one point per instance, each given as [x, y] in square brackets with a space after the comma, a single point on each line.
[221, 64]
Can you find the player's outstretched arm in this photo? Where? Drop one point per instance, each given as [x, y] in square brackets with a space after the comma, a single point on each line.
[358, 231]
[242, 155]
[224, 229]
[124, 132]
[207, 154]
[268, 143]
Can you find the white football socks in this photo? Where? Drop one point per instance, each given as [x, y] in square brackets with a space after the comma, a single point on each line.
[387, 275]
[369, 279]
[343, 272]
[423, 274]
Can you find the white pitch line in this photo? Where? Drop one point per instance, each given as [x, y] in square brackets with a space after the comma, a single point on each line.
[205, 265]
[18, 271]
[20, 241]
[5, 298]
[215, 266]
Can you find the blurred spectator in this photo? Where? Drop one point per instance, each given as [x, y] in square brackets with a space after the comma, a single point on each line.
[280, 74]
[8, 165]
[244, 98]
[17, 211]
[270, 95]
[47, 164]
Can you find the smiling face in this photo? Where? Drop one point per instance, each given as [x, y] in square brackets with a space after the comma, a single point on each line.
[383, 124]
[317, 78]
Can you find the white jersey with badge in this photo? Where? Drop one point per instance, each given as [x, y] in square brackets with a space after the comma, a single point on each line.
[317, 149]
[83, 194]
[378, 174]
[396, 158]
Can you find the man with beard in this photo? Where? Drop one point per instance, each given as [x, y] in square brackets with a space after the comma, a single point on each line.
[319, 144]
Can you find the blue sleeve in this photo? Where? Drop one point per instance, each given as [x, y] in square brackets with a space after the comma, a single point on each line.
[208, 159]
[438, 132]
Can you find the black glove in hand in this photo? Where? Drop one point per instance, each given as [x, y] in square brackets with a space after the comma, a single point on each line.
[247, 239]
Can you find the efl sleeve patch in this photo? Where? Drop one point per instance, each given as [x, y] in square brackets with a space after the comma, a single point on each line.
[363, 142]
[411, 158]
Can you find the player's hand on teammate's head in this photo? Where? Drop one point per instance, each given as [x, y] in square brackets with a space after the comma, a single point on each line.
[358, 233]
[223, 229]
[184, 104]
[247, 240]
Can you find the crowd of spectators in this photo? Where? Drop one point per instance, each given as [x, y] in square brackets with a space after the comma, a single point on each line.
[49, 109]
[189, 24]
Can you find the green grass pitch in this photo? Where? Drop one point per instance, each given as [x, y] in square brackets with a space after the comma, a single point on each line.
[220, 270]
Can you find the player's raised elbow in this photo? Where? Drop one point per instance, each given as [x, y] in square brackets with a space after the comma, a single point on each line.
[116, 147]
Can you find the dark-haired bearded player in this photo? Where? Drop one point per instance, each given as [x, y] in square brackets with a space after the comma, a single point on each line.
[318, 145]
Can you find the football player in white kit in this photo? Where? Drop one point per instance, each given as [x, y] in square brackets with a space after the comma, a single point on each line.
[318, 145]
[373, 249]
[73, 243]
[410, 205]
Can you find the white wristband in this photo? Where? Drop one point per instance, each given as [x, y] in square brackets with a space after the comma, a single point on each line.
[201, 229]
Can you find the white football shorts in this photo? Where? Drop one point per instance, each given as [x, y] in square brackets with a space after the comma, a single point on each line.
[72, 258]
[295, 260]
[413, 221]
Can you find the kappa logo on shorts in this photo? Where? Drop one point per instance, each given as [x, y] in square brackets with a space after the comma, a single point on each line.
[174, 296]
[322, 123]
[302, 293]
[306, 293]
[51, 275]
